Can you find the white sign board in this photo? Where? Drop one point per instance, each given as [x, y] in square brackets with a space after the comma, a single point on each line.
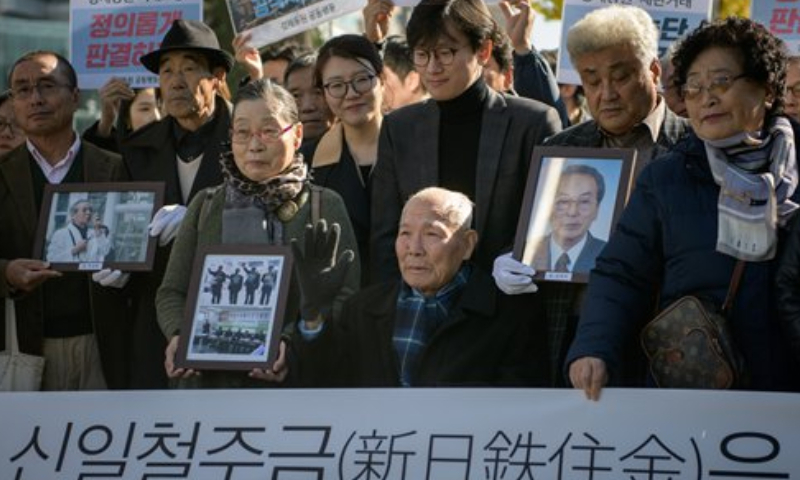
[271, 20]
[396, 434]
[673, 18]
[782, 18]
[107, 37]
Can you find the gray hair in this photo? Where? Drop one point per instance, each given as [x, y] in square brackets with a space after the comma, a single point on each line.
[454, 207]
[613, 26]
[280, 101]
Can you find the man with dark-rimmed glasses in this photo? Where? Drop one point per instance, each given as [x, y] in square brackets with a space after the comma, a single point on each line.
[70, 320]
[466, 137]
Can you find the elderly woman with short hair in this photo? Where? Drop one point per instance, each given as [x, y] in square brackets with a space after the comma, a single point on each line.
[265, 198]
[686, 226]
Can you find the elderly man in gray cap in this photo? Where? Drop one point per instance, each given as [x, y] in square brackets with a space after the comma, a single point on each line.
[182, 150]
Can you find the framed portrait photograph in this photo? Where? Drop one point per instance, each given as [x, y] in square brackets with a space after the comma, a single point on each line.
[91, 226]
[235, 307]
[573, 198]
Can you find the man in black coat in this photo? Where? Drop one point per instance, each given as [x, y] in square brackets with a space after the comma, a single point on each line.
[444, 324]
[182, 150]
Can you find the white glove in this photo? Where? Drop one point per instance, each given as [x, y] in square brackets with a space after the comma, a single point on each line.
[512, 276]
[166, 222]
[111, 278]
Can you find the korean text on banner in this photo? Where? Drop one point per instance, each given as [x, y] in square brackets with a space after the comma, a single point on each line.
[397, 434]
[108, 37]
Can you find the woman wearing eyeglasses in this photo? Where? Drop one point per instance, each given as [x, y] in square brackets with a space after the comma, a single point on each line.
[721, 195]
[349, 69]
[265, 198]
[10, 135]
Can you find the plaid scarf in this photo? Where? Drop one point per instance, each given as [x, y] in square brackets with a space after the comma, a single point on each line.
[757, 177]
[418, 318]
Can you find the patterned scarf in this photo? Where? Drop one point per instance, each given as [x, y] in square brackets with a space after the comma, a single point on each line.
[757, 177]
[255, 211]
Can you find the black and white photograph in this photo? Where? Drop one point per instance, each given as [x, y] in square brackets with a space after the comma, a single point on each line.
[573, 198]
[235, 307]
[95, 226]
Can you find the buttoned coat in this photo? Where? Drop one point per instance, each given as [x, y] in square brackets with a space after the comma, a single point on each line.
[408, 161]
[18, 222]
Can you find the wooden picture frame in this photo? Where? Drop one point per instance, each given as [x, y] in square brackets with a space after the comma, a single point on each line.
[240, 328]
[573, 198]
[92, 226]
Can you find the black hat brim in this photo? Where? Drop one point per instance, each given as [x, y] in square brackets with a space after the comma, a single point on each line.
[152, 60]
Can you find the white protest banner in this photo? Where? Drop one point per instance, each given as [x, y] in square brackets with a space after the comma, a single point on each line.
[107, 37]
[673, 18]
[782, 18]
[271, 20]
[400, 434]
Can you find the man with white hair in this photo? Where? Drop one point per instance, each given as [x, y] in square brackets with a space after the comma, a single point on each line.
[615, 52]
[443, 324]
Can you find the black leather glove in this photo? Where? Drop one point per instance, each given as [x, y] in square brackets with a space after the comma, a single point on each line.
[319, 274]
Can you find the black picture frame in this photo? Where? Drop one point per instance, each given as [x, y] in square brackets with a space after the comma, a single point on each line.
[552, 221]
[115, 236]
[223, 330]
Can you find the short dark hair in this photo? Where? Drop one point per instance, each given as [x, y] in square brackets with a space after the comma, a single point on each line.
[502, 54]
[762, 54]
[306, 60]
[283, 51]
[62, 66]
[5, 96]
[429, 21]
[589, 171]
[354, 47]
[397, 55]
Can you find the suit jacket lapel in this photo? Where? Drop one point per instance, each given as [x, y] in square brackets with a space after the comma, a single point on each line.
[490, 149]
[94, 170]
[17, 172]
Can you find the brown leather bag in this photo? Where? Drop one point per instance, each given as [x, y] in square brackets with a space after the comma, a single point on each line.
[689, 344]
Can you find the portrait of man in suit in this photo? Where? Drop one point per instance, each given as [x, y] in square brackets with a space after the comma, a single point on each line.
[570, 245]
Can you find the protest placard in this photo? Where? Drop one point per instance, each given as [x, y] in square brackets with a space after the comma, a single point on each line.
[782, 18]
[107, 37]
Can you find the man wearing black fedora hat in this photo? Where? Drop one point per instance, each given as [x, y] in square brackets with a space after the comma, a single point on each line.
[182, 150]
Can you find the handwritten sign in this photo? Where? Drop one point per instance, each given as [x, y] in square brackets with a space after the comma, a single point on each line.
[107, 37]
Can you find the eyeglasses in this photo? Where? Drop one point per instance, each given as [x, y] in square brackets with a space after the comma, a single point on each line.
[11, 127]
[444, 56]
[583, 205]
[45, 88]
[360, 84]
[264, 135]
[718, 86]
[794, 90]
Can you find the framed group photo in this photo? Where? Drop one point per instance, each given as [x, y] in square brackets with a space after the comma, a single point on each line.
[235, 307]
[573, 198]
[91, 226]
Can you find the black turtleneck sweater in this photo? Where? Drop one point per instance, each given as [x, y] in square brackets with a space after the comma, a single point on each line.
[459, 136]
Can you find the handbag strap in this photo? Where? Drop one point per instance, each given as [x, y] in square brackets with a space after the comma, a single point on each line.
[12, 345]
[734, 286]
